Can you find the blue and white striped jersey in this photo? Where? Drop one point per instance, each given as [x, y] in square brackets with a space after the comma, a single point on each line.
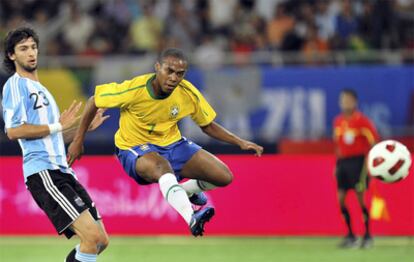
[28, 101]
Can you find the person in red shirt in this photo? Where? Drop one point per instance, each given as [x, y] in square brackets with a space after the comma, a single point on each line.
[354, 135]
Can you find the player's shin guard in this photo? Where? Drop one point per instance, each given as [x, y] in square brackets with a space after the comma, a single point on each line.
[194, 186]
[347, 217]
[176, 196]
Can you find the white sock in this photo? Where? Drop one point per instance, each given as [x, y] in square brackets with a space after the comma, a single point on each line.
[176, 196]
[193, 186]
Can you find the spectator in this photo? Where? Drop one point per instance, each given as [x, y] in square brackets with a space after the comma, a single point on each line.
[346, 25]
[384, 25]
[121, 26]
[145, 31]
[365, 23]
[209, 54]
[314, 45]
[221, 15]
[78, 29]
[279, 27]
[182, 27]
[266, 8]
[119, 10]
[48, 27]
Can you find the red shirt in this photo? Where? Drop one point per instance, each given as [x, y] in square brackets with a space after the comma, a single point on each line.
[354, 135]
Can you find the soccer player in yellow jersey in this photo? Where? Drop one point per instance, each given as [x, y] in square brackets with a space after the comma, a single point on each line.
[149, 144]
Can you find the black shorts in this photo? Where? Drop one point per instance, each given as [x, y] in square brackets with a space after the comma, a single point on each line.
[351, 173]
[61, 197]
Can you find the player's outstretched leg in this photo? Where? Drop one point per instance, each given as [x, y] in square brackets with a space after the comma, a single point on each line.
[206, 172]
[198, 199]
[154, 168]
[176, 196]
[194, 189]
[198, 220]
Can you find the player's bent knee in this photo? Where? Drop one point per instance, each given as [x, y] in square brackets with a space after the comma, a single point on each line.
[150, 177]
[103, 243]
[225, 179]
[93, 236]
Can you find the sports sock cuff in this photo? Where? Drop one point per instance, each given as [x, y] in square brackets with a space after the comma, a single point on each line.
[84, 257]
[168, 182]
[205, 186]
[167, 179]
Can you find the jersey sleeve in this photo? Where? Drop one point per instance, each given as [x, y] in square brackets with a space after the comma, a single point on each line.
[14, 104]
[114, 95]
[369, 131]
[204, 113]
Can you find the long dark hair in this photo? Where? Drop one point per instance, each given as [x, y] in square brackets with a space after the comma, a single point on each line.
[11, 40]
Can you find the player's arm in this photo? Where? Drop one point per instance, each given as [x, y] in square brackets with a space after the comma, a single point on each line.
[218, 132]
[75, 148]
[335, 135]
[204, 116]
[28, 131]
[112, 95]
[369, 131]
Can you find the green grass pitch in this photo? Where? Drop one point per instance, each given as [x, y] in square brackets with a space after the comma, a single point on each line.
[211, 249]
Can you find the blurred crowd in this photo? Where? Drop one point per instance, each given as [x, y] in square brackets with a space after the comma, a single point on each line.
[207, 28]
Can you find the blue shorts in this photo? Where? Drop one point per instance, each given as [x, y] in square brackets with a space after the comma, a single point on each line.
[177, 154]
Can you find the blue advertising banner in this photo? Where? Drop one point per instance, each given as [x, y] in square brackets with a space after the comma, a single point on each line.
[301, 102]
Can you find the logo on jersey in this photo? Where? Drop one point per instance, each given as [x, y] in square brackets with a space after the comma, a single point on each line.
[144, 147]
[174, 111]
[79, 201]
[349, 137]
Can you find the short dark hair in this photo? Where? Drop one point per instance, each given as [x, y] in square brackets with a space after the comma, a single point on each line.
[172, 52]
[12, 39]
[351, 92]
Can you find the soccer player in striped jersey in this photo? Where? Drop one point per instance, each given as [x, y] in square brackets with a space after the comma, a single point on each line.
[32, 117]
[149, 144]
[354, 135]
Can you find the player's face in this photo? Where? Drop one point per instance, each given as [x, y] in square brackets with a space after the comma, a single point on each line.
[25, 55]
[170, 73]
[347, 103]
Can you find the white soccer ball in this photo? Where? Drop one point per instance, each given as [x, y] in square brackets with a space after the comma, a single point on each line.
[389, 161]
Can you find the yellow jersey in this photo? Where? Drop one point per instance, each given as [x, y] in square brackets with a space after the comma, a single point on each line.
[145, 118]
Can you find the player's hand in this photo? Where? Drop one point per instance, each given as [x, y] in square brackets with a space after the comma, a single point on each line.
[69, 117]
[247, 145]
[98, 119]
[75, 151]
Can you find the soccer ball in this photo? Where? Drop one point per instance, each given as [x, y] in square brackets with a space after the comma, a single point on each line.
[389, 161]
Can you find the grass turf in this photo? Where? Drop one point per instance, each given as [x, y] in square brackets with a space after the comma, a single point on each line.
[208, 249]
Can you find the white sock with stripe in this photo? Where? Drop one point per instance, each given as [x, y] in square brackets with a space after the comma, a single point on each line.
[176, 196]
[84, 257]
[193, 186]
